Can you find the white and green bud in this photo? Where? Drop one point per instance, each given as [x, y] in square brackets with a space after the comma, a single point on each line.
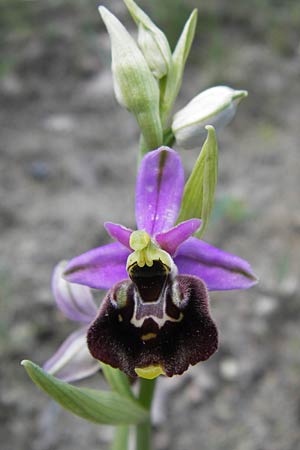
[151, 40]
[215, 106]
[157, 52]
[135, 87]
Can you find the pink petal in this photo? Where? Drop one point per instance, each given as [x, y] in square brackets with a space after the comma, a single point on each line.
[171, 239]
[118, 232]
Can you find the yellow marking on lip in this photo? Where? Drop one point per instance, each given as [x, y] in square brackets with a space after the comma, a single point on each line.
[148, 336]
[120, 318]
[149, 372]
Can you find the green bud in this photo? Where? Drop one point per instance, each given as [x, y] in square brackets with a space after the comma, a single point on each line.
[215, 106]
[156, 54]
[134, 85]
[152, 41]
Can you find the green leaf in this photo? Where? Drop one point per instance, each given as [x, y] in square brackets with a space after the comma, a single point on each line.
[118, 381]
[174, 78]
[95, 406]
[184, 43]
[199, 191]
[210, 178]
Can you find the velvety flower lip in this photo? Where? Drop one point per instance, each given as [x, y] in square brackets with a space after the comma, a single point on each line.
[159, 191]
[73, 361]
[179, 334]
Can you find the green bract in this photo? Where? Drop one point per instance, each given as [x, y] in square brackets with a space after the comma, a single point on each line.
[152, 41]
[93, 405]
[135, 86]
[199, 191]
[174, 79]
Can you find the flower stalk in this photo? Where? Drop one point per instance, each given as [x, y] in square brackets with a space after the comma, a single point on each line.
[154, 319]
[121, 438]
[144, 430]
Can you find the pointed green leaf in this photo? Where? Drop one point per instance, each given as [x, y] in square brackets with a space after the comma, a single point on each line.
[135, 86]
[92, 405]
[210, 178]
[179, 57]
[185, 41]
[118, 381]
[199, 191]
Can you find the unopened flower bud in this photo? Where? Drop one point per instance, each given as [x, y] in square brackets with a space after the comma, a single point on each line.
[215, 106]
[152, 41]
[135, 87]
[156, 51]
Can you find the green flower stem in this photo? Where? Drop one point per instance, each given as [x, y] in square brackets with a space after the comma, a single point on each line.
[143, 149]
[120, 441]
[168, 140]
[143, 431]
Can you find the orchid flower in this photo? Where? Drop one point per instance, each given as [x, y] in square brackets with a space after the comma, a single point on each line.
[73, 361]
[155, 317]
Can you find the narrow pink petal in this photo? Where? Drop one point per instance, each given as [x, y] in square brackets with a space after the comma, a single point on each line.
[159, 190]
[171, 239]
[72, 361]
[118, 232]
[75, 301]
[99, 268]
[219, 270]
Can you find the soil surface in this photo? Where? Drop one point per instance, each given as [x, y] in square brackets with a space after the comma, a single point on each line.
[68, 164]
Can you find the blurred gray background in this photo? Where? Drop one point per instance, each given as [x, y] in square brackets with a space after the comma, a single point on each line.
[68, 164]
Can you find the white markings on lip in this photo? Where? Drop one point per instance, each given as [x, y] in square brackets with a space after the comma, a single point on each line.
[159, 321]
[154, 310]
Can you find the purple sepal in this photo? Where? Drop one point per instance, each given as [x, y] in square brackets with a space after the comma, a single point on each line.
[119, 232]
[75, 301]
[99, 268]
[171, 239]
[72, 361]
[159, 190]
[218, 269]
